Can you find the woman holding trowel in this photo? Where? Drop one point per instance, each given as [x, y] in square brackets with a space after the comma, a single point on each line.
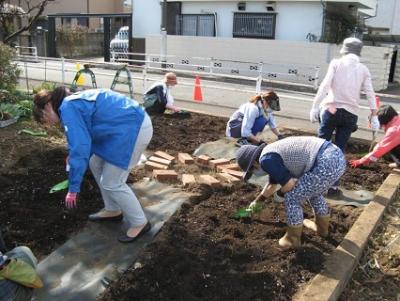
[305, 167]
[107, 131]
[252, 117]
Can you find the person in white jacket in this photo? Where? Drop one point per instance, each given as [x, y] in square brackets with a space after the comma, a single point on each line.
[337, 100]
[251, 118]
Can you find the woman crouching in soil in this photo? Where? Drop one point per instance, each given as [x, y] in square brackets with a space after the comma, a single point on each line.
[250, 119]
[389, 120]
[305, 167]
[108, 132]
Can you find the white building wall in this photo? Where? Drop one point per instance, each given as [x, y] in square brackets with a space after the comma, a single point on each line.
[146, 17]
[388, 16]
[294, 19]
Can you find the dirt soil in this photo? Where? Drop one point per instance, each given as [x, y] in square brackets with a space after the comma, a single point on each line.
[377, 277]
[227, 256]
[30, 166]
[203, 253]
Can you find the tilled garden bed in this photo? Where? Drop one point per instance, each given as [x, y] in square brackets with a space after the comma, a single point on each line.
[202, 252]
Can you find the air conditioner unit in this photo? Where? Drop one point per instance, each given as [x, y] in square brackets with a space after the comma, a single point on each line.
[270, 6]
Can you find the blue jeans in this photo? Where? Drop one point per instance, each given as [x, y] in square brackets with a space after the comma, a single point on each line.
[342, 122]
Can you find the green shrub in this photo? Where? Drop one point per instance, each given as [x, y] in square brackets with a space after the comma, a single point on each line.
[46, 86]
[9, 71]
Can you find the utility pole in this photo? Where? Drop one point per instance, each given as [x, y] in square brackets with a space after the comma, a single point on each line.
[163, 51]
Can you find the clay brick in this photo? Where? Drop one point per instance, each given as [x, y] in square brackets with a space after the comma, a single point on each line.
[233, 166]
[188, 179]
[235, 173]
[217, 162]
[152, 165]
[160, 160]
[209, 180]
[228, 178]
[185, 158]
[203, 160]
[165, 175]
[164, 155]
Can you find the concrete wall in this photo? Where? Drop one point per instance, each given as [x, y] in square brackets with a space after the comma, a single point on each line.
[397, 70]
[146, 18]
[289, 24]
[279, 57]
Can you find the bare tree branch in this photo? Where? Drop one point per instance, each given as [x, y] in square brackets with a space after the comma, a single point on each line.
[39, 10]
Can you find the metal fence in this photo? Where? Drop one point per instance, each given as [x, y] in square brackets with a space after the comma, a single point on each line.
[254, 25]
[293, 74]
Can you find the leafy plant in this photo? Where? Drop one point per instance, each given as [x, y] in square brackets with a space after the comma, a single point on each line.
[247, 212]
[9, 71]
[44, 86]
[70, 38]
[11, 110]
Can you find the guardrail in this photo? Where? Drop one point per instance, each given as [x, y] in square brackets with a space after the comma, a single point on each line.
[293, 74]
[27, 53]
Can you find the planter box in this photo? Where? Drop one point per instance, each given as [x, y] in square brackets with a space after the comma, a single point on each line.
[8, 122]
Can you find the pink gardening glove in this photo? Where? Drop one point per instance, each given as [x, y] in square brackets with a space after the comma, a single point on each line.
[70, 200]
[357, 163]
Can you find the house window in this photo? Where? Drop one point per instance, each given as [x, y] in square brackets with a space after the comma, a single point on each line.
[195, 25]
[254, 25]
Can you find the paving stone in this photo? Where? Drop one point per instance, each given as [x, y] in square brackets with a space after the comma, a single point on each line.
[209, 180]
[232, 166]
[188, 179]
[203, 160]
[164, 155]
[185, 158]
[152, 165]
[160, 160]
[217, 162]
[228, 178]
[165, 175]
[235, 173]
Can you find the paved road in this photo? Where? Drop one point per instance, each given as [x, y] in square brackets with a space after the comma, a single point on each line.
[219, 97]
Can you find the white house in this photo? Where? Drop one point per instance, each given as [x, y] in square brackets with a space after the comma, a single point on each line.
[294, 20]
[386, 21]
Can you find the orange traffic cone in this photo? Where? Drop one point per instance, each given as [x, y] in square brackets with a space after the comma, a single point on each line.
[197, 95]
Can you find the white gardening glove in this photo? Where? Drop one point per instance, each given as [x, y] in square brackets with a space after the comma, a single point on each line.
[314, 115]
[375, 125]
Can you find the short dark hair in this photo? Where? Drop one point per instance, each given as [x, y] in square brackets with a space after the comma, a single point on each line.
[386, 113]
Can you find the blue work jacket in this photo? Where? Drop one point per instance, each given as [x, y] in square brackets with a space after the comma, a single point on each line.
[100, 122]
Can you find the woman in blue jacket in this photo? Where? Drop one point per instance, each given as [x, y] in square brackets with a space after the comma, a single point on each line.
[252, 117]
[107, 131]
